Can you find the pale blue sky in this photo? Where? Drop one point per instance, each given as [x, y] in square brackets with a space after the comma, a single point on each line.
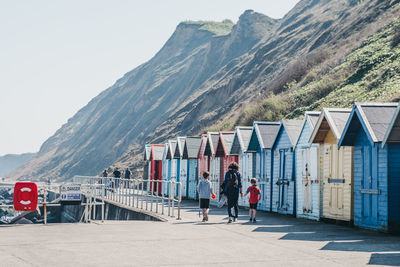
[57, 55]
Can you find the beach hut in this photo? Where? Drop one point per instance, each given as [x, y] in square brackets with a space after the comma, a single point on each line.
[307, 171]
[214, 163]
[260, 144]
[156, 157]
[181, 165]
[336, 165]
[172, 162]
[392, 140]
[165, 170]
[147, 162]
[222, 151]
[190, 152]
[239, 148]
[365, 131]
[284, 171]
[203, 162]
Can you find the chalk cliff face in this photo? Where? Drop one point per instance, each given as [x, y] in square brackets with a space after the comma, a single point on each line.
[138, 103]
[206, 73]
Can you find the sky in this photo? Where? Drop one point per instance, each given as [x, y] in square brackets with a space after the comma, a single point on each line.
[55, 56]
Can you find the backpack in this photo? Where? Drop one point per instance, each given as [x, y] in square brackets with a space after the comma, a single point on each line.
[233, 181]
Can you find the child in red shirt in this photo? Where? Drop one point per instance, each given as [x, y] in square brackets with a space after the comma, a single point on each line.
[255, 196]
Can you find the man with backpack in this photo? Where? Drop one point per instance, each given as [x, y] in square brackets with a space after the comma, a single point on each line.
[231, 187]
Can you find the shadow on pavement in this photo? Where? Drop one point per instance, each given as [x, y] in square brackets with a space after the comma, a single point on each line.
[367, 245]
[389, 259]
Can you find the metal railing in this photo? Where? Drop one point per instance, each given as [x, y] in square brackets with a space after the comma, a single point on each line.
[150, 195]
[44, 188]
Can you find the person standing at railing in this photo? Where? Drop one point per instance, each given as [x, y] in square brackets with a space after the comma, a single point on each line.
[205, 192]
[105, 181]
[117, 176]
[127, 177]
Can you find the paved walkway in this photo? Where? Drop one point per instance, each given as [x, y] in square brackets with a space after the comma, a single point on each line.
[273, 241]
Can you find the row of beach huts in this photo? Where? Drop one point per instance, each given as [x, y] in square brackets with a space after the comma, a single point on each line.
[338, 164]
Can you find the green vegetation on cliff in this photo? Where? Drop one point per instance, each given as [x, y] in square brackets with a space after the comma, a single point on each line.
[369, 73]
[218, 28]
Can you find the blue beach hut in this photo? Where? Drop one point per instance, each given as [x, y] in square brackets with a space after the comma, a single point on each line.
[392, 141]
[190, 152]
[365, 131]
[172, 162]
[307, 171]
[284, 171]
[260, 144]
[147, 162]
[181, 166]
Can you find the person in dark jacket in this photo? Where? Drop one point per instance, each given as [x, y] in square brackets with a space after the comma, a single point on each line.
[105, 180]
[127, 176]
[231, 187]
[117, 176]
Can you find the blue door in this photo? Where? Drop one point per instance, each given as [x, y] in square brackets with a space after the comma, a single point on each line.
[178, 175]
[369, 189]
[282, 182]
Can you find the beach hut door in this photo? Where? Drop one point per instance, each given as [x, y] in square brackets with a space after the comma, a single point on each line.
[283, 182]
[306, 173]
[369, 192]
[335, 179]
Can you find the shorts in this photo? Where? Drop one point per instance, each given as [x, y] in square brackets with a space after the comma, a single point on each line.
[204, 203]
[253, 206]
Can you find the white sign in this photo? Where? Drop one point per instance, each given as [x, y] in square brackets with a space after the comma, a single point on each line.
[71, 192]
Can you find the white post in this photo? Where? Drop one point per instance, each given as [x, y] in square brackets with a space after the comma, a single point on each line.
[179, 201]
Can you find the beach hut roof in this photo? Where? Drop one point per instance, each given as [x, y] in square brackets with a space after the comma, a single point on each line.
[157, 151]
[180, 144]
[147, 152]
[310, 117]
[263, 135]
[171, 149]
[241, 139]
[224, 145]
[292, 128]
[211, 145]
[374, 118]
[393, 133]
[191, 148]
[165, 151]
[330, 119]
[202, 145]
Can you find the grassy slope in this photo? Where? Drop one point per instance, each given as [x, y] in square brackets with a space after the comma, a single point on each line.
[369, 73]
[218, 28]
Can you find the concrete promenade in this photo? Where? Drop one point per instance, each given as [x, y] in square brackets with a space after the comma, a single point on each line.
[273, 241]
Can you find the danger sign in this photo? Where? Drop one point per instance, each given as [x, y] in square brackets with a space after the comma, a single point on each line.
[71, 192]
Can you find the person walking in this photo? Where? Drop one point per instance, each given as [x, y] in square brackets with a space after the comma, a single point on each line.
[205, 191]
[255, 196]
[231, 187]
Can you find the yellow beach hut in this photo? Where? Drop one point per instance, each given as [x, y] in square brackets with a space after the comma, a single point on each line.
[336, 166]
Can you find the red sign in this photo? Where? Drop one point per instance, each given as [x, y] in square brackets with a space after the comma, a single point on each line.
[25, 196]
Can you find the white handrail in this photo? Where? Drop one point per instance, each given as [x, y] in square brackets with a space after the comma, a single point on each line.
[149, 195]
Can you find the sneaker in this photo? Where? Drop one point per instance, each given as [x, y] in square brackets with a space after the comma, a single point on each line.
[254, 220]
[230, 220]
[234, 219]
[204, 220]
[251, 219]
